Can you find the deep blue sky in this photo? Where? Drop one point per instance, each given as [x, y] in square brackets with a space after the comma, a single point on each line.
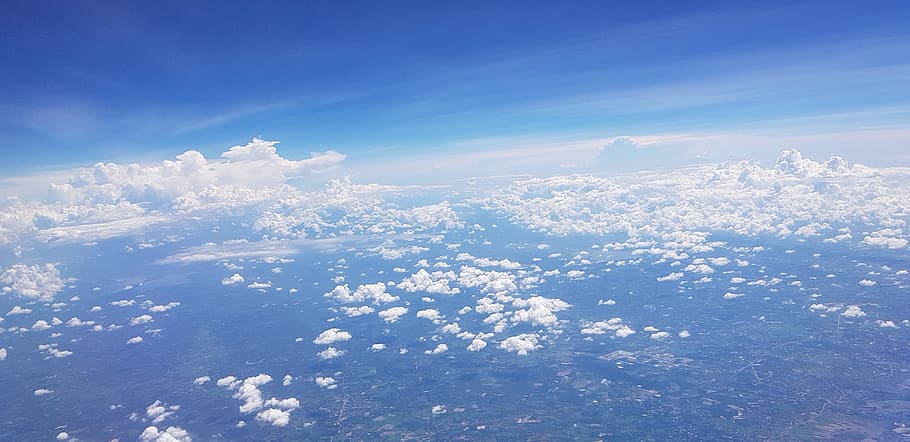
[100, 81]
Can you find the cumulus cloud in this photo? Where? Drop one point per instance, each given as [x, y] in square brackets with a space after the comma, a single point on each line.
[17, 310]
[2, 354]
[171, 434]
[234, 279]
[393, 314]
[436, 282]
[201, 380]
[477, 345]
[134, 340]
[431, 314]
[357, 311]
[141, 319]
[521, 344]
[440, 348]
[538, 310]
[332, 336]
[326, 382]
[616, 326]
[853, 311]
[372, 292]
[32, 281]
[330, 353]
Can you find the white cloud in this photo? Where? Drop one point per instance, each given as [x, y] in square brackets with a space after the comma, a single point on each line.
[40, 325]
[431, 314]
[393, 314]
[124, 303]
[332, 336]
[326, 382]
[34, 281]
[171, 434]
[538, 310]
[853, 311]
[43, 392]
[357, 311]
[616, 325]
[331, 353]
[373, 292]
[440, 348]
[260, 285]
[141, 319]
[2, 354]
[159, 411]
[867, 283]
[201, 380]
[477, 345]
[675, 276]
[163, 307]
[16, 310]
[521, 344]
[135, 340]
[436, 282]
[234, 279]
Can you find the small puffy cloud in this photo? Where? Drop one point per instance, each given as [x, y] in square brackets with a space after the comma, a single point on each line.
[159, 411]
[234, 279]
[124, 303]
[326, 382]
[63, 435]
[43, 392]
[521, 344]
[201, 380]
[675, 276]
[16, 310]
[95, 309]
[731, 295]
[538, 310]
[477, 345]
[853, 311]
[357, 311]
[378, 347]
[438, 409]
[330, 353]
[431, 314]
[393, 314]
[2, 354]
[374, 292]
[332, 336]
[35, 281]
[274, 416]
[867, 283]
[134, 340]
[886, 324]
[441, 348]
[40, 325]
[287, 380]
[142, 319]
[171, 434]
[260, 285]
[164, 307]
[615, 325]
[436, 282]
[659, 335]
[684, 334]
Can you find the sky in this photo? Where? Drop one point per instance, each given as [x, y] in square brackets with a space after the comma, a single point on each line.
[483, 87]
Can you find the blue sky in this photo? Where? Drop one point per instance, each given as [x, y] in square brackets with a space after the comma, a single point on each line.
[114, 81]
